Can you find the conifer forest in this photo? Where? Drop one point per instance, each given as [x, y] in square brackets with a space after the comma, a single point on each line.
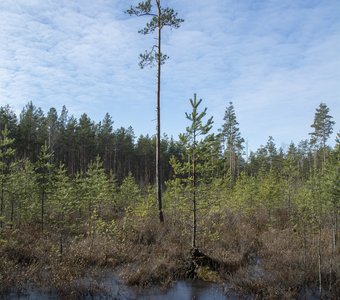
[79, 196]
[82, 200]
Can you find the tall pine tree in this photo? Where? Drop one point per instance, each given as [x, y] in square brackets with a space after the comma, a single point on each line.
[162, 17]
[232, 142]
[323, 128]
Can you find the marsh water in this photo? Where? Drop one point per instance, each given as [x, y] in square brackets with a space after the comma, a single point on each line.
[181, 290]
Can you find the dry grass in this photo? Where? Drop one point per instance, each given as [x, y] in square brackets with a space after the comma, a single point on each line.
[257, 259]
[281, 271]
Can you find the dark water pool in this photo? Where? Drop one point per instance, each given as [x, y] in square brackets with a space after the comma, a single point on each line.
[187, 290]
[181, 290]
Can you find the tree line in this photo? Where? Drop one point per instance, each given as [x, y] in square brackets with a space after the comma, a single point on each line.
[76, 143]
[81, 177]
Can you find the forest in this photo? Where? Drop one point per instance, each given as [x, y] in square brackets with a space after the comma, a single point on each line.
[78, 199]
[84, 202]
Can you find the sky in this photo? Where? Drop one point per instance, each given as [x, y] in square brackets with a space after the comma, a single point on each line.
[275, 60]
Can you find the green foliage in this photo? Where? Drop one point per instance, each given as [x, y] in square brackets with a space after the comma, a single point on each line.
[176, 194]
[232, 142]
[162, 17]
[62, 201]
[270, 193]
[99, 190]
[129, 193]
[7, 153]
[6, 156]
[44, 169]
[313, 201]
[8, 120]
[323, 128]
[323, 125]
[26, 194]
[245, 194]
[195, 164]
[32, 132]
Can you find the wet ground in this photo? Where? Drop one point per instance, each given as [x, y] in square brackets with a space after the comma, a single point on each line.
[181, 290]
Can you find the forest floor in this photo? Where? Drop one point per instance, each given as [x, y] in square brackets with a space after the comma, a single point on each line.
[255, 258]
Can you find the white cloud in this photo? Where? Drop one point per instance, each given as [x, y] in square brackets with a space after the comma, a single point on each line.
[275, 60]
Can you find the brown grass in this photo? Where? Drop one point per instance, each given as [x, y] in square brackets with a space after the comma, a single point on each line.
[257, 258]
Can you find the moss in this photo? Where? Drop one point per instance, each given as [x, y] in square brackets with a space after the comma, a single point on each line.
[206, 274]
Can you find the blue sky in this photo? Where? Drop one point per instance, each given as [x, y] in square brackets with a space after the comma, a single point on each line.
[275, 60]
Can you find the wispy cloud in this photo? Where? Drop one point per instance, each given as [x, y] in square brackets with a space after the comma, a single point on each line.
[276, 60]
[83, 53]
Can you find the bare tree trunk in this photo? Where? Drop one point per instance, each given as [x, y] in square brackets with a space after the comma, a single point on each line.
[194, 220]
[319, 260]
[335, 228]
[12, 211]
[61, 229]
[333, 249]
[304, 246]
[158, 136]
[289, 200]
[2, 203]
[331, 265]
[42, 209]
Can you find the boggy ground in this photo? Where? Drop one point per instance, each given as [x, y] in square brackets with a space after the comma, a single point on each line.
[266, 260]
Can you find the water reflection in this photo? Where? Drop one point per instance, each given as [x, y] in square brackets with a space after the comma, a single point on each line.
[186, 290]
[181, 290]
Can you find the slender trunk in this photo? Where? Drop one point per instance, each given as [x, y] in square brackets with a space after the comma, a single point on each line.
[319, 261]
[115, 162]
[315, 162]
[158, 135]
[336, 238]
[2, 204]
[194, 225]
[331, 263]
[12, 211]
[110, 160]
[146, 177]
[61, 228]
[42, 209]
[333, 249]
[324, 154]
[304, 246]
[84, 159]
[19, 215]
[289, 200]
